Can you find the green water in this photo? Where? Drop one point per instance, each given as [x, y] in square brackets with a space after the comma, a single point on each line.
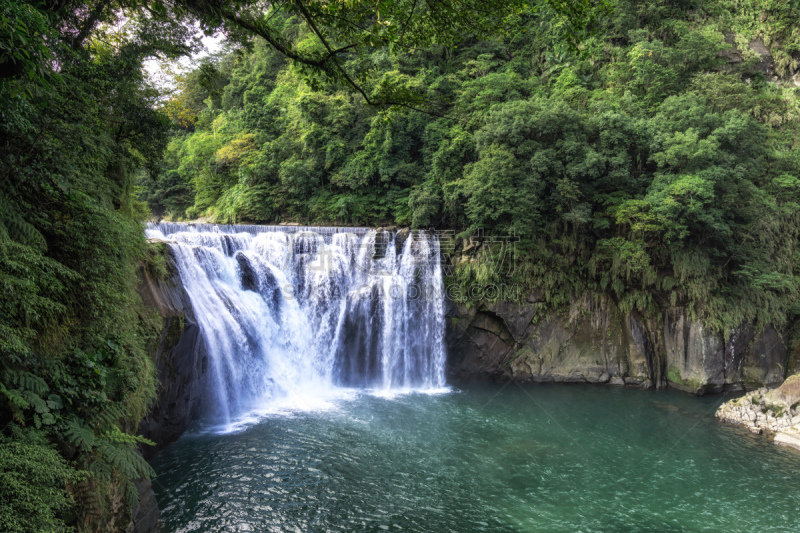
[485, 458]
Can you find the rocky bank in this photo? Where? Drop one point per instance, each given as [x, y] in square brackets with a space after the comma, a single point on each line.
[773, 412]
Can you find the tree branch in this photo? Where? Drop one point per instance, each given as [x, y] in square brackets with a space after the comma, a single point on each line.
[89, 24]
[328, 63]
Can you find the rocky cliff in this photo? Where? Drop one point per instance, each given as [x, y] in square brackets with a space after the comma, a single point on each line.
[180, 367]
[179, 356]
[592, 342]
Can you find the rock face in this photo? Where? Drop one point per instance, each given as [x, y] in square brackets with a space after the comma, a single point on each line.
[774, 412]
[145, 515]
[701, 361]
[589, 343]
[593, 342]
[181, 366]
[180, 359]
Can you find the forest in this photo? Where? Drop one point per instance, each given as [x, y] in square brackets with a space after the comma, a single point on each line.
[646, 151]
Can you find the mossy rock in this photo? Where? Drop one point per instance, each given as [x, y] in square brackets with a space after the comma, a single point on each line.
[676, 379]
[158, 260]
[788, 394]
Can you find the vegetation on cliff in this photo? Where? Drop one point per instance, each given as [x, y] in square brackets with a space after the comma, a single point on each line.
[75, 375]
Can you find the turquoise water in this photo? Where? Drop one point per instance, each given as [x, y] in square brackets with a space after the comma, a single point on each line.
[484, 458]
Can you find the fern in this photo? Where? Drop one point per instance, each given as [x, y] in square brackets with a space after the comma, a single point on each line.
[131, 493]
[15, 398]
[111, 415]
[118, 437]
[92, 501]
[80, 435]
[28, 381]
[14, 227]
[100, 469]
[27, 396]
[127, 460]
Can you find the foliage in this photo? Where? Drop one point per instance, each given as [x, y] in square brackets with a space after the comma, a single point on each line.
[81, 125]
[33, 475]
[332, 41]
[642, 150]
[75, 377]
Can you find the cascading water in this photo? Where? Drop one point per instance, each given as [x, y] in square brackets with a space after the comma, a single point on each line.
[293, 314]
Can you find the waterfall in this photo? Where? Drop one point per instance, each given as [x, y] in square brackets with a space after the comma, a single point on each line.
[294, 314]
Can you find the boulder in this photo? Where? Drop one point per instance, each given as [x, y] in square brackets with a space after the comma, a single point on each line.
[789, 437]
[787, 395]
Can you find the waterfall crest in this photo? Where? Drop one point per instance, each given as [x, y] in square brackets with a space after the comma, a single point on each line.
[292, 313]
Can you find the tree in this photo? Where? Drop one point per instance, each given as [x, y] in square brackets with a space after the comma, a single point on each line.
[337, 36]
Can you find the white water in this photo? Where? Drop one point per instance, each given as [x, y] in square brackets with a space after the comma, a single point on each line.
[292, 317]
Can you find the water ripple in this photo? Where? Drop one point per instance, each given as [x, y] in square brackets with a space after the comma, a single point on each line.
[616, 461]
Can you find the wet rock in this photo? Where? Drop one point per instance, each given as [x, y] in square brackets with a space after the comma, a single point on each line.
[585, 344]
[180, 360]
[695, 358]
[515, 317]
[591, 341]
[145, 514]
[247, 275]
[400, 239]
